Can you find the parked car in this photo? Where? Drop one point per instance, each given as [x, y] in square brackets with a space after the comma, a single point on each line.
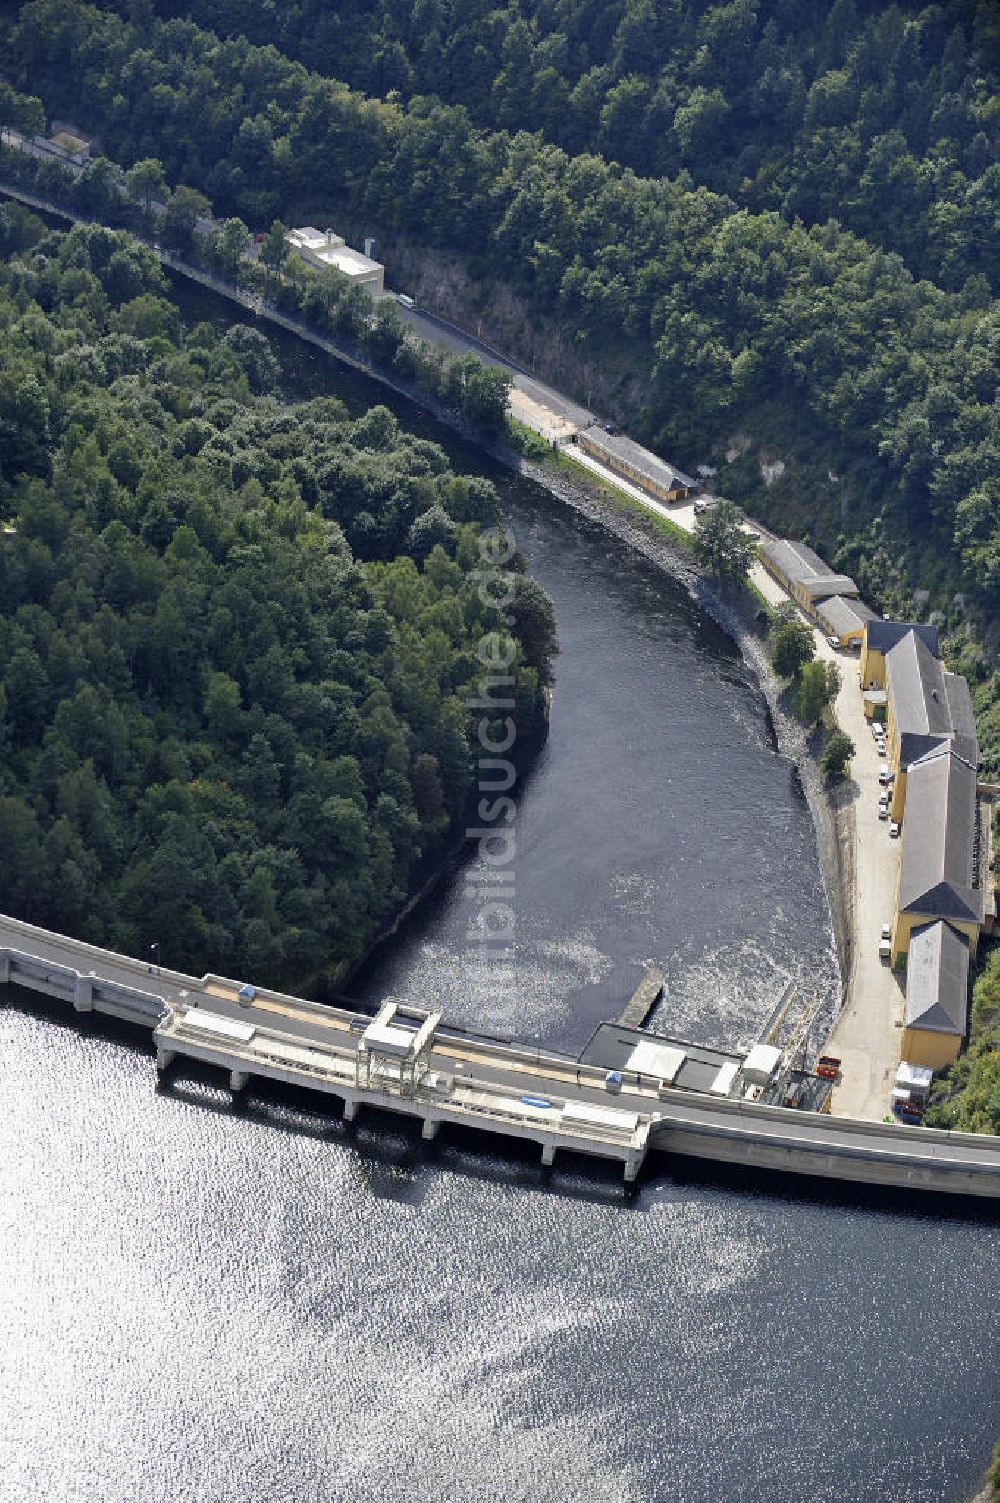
[893, 829]
[885, 949]
[885, 774]
[886, 931]
[834, 643]
[828, 1067]
[908, 1111]
[883, 811]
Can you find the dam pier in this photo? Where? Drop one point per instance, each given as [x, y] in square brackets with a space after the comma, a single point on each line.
[408, 1060]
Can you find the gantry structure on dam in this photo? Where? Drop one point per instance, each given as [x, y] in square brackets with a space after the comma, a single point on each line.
[407, 1060]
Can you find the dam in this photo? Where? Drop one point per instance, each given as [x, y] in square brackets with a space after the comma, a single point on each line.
[405, 1059]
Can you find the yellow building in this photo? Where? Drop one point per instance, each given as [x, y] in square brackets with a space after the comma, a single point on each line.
[926, 707]
[845, 618]
[939, 876]
[879, 637]
[630, 460]
[937, 996]
[801, 571]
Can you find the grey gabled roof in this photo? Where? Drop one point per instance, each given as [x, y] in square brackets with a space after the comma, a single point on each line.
[929, 705]
[841, 616]
[881, 635]
[821, 586]
[963, 716]
[794, 560]
[916, 683]
[936, 872]
[644, 460]
[937, 979]
[799, 564]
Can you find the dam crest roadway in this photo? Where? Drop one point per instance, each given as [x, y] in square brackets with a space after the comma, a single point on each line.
[409, 1061]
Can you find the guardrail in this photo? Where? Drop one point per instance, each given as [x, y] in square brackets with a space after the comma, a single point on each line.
[680, 1122]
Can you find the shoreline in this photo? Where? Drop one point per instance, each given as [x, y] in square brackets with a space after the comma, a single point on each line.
[832, 823]
[829, 807]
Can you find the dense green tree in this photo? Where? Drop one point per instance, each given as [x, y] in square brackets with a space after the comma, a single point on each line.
[185, 208]
[838, 749]
[817, 688]
[145, 182]
[228, 246]
[223, 727]
[793, 644]
[721, 543]
[22, 112]
[274, 249]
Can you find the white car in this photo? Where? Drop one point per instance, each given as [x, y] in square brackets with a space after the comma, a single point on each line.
[893, 830]
[885, 949]
[834, 643]
[886, 931]
[885, 774]
[883, 811]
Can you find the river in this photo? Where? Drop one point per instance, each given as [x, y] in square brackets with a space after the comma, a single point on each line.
[214, 1302]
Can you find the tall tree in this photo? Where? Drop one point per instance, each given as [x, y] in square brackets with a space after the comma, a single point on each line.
[721, 543]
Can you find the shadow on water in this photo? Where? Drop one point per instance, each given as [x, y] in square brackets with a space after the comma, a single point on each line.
[395, 1162]
[441, 892]
[390, 1156]
[805, 1191]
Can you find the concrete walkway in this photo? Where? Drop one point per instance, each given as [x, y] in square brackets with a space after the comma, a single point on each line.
[867, 1034]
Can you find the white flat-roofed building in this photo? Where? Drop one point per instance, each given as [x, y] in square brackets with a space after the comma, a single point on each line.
[662, 1061]
[323, 248]
[761, 1064]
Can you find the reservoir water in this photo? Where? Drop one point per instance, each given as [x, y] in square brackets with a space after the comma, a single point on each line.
[220, 1303]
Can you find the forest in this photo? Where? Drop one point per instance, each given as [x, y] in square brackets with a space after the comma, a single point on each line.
[238, 634]
[821, 273]
[882, 117]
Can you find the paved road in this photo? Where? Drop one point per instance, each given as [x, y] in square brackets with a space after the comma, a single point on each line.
[439, 331]
[309, 1023]
[801, 1141]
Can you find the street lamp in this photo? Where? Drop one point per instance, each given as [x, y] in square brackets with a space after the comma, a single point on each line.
[155, 947]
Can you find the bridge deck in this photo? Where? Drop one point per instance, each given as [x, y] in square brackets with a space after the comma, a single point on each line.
[484, 1082]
